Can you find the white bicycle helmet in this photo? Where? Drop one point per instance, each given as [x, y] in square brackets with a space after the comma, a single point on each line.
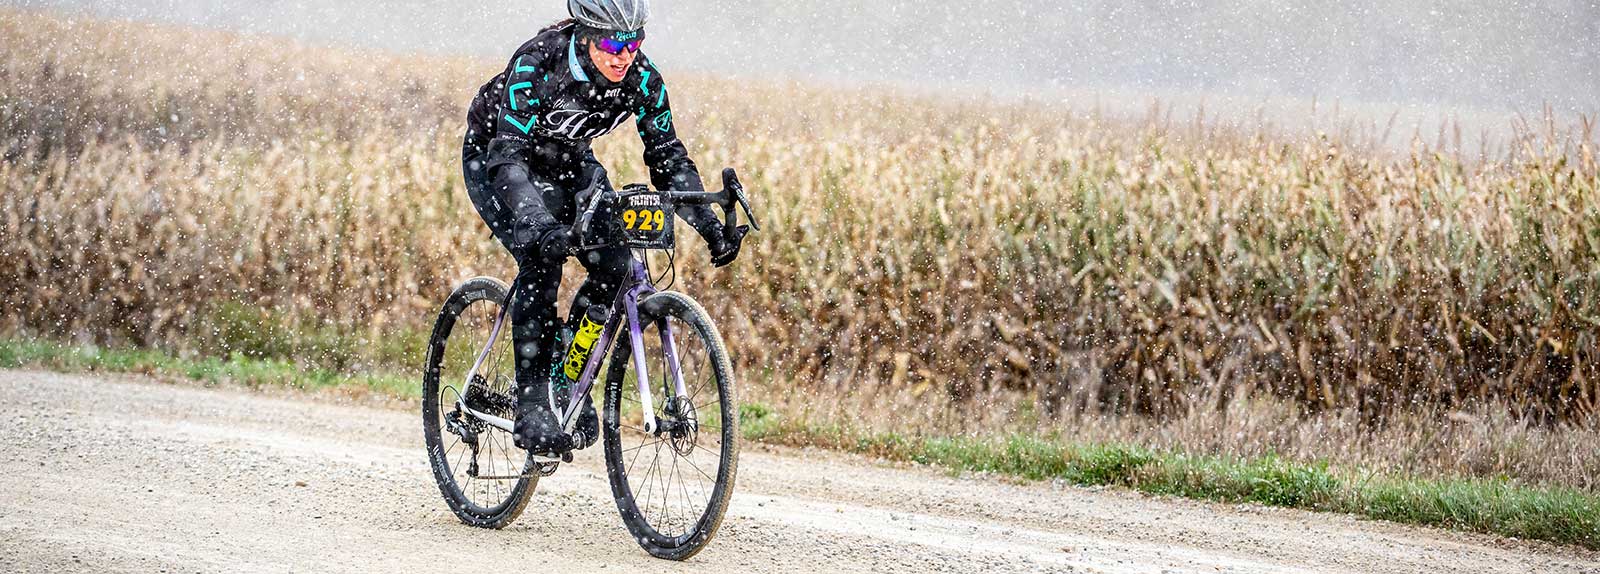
[610, 15]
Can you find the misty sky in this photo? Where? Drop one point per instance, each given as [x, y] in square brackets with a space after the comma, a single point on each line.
[1474, 54]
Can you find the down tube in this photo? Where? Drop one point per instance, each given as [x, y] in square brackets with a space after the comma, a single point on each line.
[591, 372]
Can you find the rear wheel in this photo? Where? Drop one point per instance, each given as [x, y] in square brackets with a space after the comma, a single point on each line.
[485, 479]
[672, 486]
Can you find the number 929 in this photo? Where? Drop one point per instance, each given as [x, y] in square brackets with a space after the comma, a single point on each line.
[644, 219]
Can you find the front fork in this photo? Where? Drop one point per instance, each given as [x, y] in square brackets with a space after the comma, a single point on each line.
[641, 366]
[671, 350]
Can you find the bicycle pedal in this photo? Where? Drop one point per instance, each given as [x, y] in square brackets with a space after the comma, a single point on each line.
[565, 457]
[547, 468]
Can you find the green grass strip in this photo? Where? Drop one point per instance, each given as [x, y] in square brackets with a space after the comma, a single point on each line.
[1550, 513]
[15, 353]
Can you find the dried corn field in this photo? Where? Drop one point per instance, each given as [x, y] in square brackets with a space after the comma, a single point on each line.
[212, 193]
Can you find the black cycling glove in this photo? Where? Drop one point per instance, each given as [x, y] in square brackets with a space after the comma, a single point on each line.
[726, 248]
[556, 244]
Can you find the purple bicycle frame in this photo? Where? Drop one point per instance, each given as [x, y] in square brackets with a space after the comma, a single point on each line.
[625, 306]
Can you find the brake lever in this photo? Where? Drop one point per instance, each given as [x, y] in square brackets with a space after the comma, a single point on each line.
[596, 195]
[730, 182]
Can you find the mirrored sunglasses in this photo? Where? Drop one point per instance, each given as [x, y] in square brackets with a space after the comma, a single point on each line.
[614, 47]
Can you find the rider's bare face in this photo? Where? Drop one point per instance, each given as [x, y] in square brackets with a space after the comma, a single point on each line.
[613, 66]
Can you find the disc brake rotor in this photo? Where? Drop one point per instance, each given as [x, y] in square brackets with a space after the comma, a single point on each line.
[684, 430]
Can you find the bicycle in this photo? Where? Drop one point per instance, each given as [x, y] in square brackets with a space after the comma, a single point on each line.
[485, 480]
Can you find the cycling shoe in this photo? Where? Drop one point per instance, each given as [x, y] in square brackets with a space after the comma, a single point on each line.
[538, 431]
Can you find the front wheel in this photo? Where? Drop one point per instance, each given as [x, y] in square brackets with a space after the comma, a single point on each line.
[672, 485]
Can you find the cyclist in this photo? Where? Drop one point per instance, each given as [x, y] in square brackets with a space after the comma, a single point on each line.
[525, 157]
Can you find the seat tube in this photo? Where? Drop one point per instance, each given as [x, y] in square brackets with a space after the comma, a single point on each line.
[494, 334]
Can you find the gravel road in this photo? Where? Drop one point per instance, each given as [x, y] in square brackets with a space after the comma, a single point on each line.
[127, 474]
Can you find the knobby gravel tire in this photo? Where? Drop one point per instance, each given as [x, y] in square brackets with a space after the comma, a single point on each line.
[686, 312]
[476, 290]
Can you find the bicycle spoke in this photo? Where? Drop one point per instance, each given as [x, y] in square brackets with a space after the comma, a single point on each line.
[509, 456]
[688, 502]
[452, 447]
[638, 450]
[655, 468]
[648, 471]
[697, 468]
[454, 468]
[709, 378]
[651, 443]
[500, 486]
[666, 495]
[699, 483]
[661, 478]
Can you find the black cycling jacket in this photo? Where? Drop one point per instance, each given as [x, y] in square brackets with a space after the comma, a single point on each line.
[539, 115]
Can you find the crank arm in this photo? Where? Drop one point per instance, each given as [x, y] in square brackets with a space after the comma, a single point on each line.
[565, 457]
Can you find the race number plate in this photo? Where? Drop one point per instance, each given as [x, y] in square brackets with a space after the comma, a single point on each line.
[645, 219]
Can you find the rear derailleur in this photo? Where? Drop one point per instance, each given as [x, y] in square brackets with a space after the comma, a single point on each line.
[477, 398]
